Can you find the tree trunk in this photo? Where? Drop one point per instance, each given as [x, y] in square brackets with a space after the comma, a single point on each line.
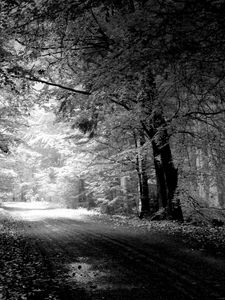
[156, 130]
[124, 183]
[143, 193]
[142, 176]
[162, 188]
[81, 192]
[166, 173]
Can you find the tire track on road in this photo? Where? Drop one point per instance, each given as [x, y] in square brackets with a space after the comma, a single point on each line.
[187, 282]
[130, 261]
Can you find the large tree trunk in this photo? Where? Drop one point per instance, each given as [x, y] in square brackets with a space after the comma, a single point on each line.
[156, 130]
[142, 175]
[166, 173]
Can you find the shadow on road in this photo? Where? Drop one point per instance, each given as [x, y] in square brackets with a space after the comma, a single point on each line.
[65, 255]
[110, 263]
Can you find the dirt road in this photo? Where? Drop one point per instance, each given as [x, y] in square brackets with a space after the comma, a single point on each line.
[91, 260]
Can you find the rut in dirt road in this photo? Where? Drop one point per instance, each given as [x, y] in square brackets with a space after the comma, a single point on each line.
[88, 260]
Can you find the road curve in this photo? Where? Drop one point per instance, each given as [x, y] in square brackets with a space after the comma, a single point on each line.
[96, 261]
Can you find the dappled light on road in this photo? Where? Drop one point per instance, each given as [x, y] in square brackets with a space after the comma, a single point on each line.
[96, 275]
[84, 272]
[35, 211]
[69, 253]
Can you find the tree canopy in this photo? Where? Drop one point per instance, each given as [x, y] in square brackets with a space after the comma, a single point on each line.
[140, 84]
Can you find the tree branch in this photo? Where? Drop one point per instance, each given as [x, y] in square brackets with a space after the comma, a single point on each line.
[204, 113]
[124, 105]
[56, 85]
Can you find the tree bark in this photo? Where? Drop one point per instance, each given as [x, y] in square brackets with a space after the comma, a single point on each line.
[142, 176]
[166, 175]
[156, 130]
[124, 183]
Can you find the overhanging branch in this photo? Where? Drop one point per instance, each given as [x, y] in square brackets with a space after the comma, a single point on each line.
[58, 85]
[34, 79]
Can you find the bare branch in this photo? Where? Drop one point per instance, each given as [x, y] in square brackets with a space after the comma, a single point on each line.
[56, 85]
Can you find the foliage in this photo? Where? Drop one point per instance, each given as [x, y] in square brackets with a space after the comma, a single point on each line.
[141, 68]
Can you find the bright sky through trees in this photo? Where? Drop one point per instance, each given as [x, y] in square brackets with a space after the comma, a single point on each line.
[137, 92]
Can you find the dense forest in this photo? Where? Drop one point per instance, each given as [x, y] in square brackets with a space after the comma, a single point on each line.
[115, 105]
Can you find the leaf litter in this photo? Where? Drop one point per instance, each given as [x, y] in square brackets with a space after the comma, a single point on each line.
[25, 275]
[204, 237]
[23, 272]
